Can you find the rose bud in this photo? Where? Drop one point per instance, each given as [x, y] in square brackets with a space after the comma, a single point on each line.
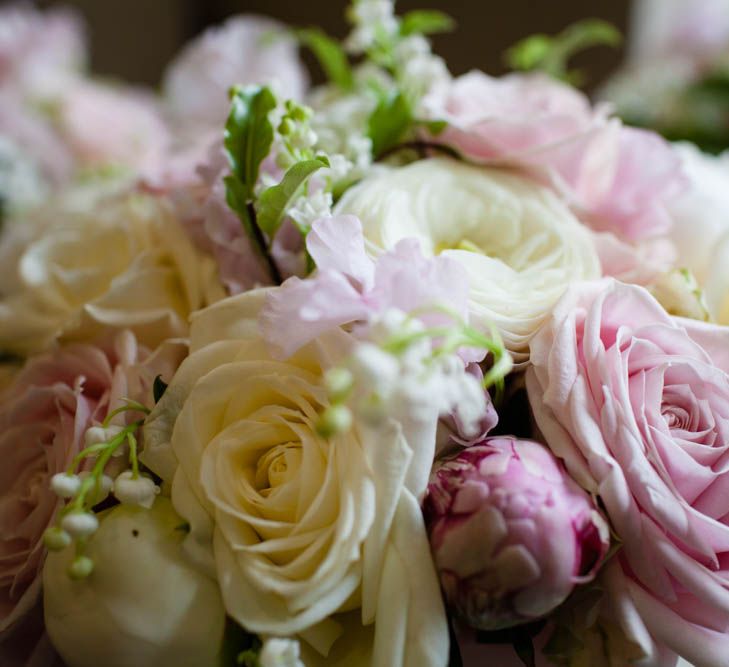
[511, 533]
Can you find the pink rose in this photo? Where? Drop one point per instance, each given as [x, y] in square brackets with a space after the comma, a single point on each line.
[44, 415]
[637, 405]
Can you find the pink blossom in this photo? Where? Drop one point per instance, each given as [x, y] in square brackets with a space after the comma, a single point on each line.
[40, 52]
[511, 533]
[44, 414]
[104, 125]
[244, 50]
[351, 287]
[637, 405]
[617, 179]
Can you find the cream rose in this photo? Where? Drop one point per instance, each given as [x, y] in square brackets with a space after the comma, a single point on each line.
[297, 529]
[519, 244]
[119, 261]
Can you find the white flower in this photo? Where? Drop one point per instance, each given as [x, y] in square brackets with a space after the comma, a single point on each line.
[701, 226]
[135, 491]
[143, 606]
[307, 209]
[519, 243]
[277, 652]
[80, 524]
[304, 525]
[97, 435]
[65, 485]
[370, 17]
[21, 183]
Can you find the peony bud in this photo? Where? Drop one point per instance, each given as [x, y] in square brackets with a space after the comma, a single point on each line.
[511, 533]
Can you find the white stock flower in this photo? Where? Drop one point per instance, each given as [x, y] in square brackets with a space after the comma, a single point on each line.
[144, 605]
[280, 515]
[519, 243]
[701, 226]
[115, 262]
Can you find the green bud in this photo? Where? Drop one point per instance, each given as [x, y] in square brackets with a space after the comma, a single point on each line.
[338, 383]
[56, 539]
[301, 114]
[81, 567]
[335, 419]
[286, 127]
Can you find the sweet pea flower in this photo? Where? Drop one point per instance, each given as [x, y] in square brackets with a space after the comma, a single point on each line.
[511, 533]
[636, 404]
[44, 414]
[350, 286]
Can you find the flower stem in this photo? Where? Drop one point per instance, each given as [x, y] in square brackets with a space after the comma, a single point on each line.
[263, 248]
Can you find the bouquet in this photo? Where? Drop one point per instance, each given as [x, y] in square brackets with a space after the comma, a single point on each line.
[402, 370]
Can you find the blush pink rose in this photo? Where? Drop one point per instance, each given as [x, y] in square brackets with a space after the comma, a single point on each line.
[637, 404]
[44, 414]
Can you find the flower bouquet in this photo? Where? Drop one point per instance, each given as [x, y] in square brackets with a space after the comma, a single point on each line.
[403, 370]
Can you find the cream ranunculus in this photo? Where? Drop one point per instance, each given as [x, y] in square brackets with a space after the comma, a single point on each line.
[297, 528]
[701, 226]
[118, 261]
[520, 245]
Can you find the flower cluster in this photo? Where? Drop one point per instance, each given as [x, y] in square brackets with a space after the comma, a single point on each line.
[404, 370]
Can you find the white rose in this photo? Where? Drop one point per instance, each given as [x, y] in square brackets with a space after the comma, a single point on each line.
[520, 245]
[143, 605]
[120, 261]
[701, 226]
[297, 529]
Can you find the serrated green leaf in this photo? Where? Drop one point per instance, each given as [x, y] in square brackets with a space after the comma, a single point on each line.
[389, 122]
[331, 56]
[158, 388]
[248, 134]
[273, 202]
[426, 22]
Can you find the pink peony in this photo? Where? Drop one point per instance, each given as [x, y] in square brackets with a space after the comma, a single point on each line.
[637, 405]
[44, 414]
[351, 287]
[511, 533]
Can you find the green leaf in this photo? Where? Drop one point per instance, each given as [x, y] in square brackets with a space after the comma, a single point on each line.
[248, 135]
[274, 201]
[426, 22]
[236, 196]
[331, 56]
[552, 54]
[158, 388]
[389, 122]
[435, 127]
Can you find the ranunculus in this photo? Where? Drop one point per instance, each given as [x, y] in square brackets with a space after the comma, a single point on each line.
[116, 262]
[519, 244]
[44, 414]
[511, 533]
[701, 226]
[637, 405]
[144, 605]
[297, 528]
[245, 49]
